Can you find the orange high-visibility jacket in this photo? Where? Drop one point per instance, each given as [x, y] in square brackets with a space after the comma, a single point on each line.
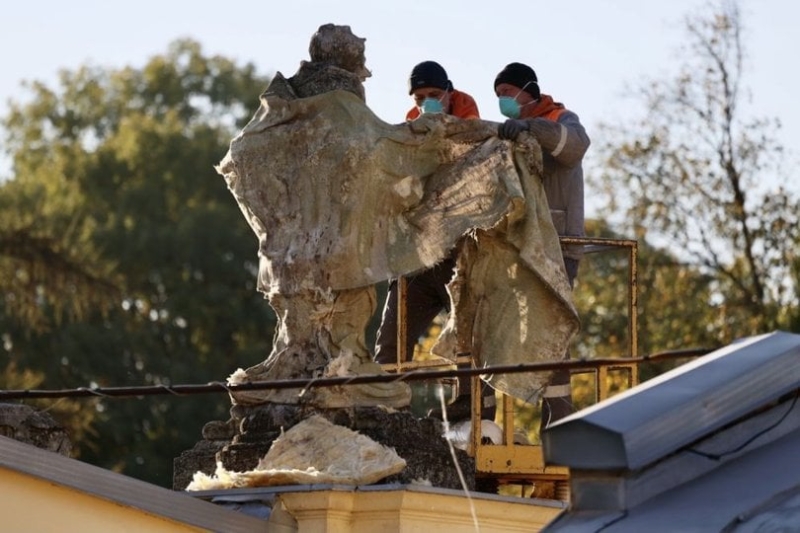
[462, 105]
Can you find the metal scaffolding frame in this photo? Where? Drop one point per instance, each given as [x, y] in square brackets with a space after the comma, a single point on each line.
[508, 462]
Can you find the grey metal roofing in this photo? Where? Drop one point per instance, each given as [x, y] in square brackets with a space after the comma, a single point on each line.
[758, 489]
[732, 464]
[666, 413]
[110, 486]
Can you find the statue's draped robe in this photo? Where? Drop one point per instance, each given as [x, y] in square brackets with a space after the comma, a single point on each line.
[341, 200]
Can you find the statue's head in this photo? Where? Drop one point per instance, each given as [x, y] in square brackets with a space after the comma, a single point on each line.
[337, 46]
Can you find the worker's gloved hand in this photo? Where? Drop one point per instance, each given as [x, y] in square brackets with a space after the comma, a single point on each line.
[511, 128]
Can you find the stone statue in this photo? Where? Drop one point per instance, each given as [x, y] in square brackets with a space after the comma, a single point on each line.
[341, 200]
[317, 324]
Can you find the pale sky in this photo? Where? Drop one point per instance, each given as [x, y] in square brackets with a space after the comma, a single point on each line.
[585, 52]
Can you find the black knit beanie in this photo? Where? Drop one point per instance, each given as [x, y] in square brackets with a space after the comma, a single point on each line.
[521, 76]
[428, 74]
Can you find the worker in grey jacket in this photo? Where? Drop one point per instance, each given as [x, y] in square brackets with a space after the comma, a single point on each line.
[564, 143]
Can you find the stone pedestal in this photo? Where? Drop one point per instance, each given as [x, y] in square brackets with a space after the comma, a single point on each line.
[252, 431]
[37, 428]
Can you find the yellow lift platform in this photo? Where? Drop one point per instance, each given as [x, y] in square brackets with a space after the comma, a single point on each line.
[509, 463]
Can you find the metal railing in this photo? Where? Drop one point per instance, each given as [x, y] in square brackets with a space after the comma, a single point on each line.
[509, 462]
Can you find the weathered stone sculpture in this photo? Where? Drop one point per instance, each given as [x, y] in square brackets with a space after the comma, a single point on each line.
[341, 200]
[321, 326]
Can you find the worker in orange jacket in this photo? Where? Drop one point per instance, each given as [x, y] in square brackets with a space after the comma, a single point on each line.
[426, 293]
[564, 142]
[434, 93]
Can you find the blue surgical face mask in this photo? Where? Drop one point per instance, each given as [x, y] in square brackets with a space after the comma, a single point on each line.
[509, 106]
[432, 105]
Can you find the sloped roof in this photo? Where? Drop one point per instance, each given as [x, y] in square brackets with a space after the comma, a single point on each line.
[760, 487]
[104, 484]
[725, 431]
[666, 413]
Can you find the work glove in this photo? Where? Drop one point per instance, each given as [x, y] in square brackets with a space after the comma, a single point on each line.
[511, 128]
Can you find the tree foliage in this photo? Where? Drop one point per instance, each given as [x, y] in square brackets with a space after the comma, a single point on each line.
[701, 178]
[124, 260]
[671, 314]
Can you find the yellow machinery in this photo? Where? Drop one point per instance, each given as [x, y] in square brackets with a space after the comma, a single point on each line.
[510, 463]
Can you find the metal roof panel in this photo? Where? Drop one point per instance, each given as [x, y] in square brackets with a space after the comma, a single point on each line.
[760, 486]
[660, 416]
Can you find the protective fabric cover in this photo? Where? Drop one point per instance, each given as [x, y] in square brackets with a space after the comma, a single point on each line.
[341, 200]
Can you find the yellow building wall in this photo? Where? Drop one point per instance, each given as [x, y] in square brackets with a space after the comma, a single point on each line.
[32, 505]
[411, 512]
[29, 504]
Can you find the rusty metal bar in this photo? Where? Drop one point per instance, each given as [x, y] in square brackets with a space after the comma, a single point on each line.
[475, 414]
[402, 326]
[601, 389]
[508, 414]
[633, 311]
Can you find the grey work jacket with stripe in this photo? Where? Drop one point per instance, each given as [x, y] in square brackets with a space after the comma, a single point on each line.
[564, 143]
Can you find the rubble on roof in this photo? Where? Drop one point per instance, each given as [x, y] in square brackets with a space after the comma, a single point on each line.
[313, 451]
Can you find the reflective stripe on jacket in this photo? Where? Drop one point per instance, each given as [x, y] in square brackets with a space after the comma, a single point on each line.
[564, 143]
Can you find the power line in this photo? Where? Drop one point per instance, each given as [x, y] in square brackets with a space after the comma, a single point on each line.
[307, 383]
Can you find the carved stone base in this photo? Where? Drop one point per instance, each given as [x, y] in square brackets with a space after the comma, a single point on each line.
[201, 458]
[417, 440]
[37, 428]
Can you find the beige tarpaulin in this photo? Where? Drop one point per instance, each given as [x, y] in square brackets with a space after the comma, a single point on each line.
[341, 200]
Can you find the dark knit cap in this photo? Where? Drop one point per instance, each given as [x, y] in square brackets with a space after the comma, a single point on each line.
[521, 76]
[428, 74]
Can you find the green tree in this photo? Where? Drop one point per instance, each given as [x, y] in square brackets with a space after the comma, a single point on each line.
[667, 318]
[138, 266]
[702, 179]
[671, 312]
